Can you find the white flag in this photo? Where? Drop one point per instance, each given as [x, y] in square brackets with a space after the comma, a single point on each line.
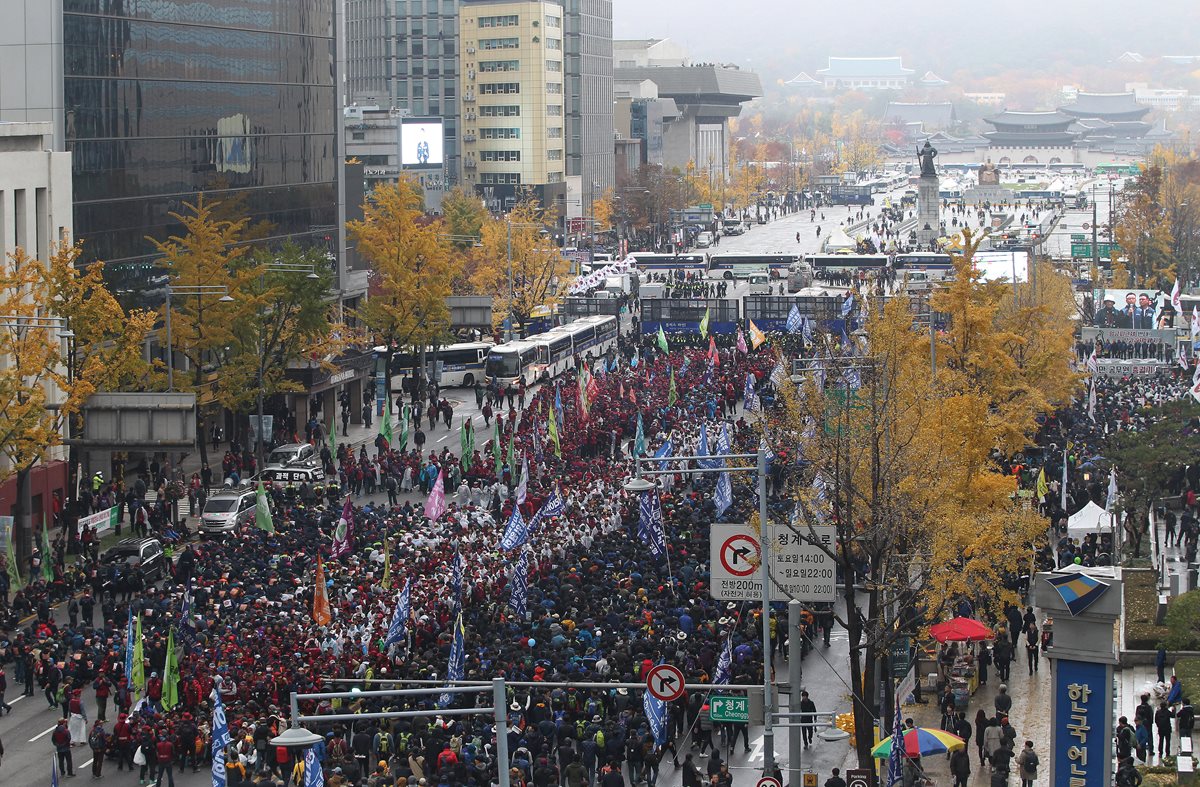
[1175, 302]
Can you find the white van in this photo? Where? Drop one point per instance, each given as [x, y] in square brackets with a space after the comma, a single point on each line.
[759, 284]
[704, 240]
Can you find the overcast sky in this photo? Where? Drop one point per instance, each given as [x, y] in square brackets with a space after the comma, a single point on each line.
[787, 36]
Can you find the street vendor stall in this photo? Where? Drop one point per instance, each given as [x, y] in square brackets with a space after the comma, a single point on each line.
[957, 659]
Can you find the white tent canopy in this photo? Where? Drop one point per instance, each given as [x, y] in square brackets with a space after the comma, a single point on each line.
[1089, 519]
[838, 239]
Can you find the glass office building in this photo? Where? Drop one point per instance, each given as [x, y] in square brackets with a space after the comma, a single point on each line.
[163, 99]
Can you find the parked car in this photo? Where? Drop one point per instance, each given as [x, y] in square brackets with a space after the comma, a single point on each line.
[293, 454]
[130, 552]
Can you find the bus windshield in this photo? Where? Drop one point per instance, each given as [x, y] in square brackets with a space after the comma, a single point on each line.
[503, 363]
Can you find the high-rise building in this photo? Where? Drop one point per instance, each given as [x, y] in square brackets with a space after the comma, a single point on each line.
[404, 55]
[513, 135]
[159, 101]
[591, 154]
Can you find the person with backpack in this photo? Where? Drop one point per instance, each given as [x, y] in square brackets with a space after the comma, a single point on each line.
[1127, 773]
[61, 740]
[382, 744]
[1027, 763]
[98, 743]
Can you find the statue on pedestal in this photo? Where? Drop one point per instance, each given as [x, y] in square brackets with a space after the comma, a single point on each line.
[926, 156]
[988, 176]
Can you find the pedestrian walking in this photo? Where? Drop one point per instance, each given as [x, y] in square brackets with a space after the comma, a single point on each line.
[1163, 723]
[1033, 646]
[61, 740]
[1027, 762]
[98, 743]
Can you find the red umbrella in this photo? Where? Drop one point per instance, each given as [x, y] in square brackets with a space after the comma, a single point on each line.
[960, 630]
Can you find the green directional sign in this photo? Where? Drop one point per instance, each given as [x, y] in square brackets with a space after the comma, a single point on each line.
[729, 710]
[1085, 250]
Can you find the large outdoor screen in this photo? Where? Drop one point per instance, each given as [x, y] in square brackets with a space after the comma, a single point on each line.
[421, 145]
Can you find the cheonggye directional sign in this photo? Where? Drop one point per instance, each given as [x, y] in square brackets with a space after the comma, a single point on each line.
[799, 569]
[725, 709]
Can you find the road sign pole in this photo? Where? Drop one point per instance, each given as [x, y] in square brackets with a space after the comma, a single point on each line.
[795, 676]
[500, 703]
[768, 660]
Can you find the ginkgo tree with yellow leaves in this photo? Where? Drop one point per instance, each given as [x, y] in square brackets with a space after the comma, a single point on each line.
[413, 267]
[902, 462]
[518, 263]
[45, 380]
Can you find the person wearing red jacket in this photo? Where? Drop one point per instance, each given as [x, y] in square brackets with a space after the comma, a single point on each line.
[123, 735]
[165, 750]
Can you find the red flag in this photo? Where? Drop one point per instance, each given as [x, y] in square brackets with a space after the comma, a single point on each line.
[621, 390]
[321, 613]
[435, 506]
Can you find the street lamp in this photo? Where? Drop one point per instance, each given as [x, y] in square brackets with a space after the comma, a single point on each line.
[639, 484]
[199, 291]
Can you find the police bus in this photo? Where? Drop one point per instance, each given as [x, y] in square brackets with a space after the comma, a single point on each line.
[550, 354]
[456, 364]
[846, 262]
[653, 261]
[742, 266]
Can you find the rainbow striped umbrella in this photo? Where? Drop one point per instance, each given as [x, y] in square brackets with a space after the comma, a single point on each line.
[920, 742]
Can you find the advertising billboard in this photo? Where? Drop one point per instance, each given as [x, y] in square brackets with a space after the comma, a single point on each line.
[1129, 308]
[421, 143]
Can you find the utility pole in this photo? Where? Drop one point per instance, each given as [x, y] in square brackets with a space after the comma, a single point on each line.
[1095, 243]
[795, 677]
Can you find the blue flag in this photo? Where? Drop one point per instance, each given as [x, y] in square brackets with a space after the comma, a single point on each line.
[702, 449]
[398, 630]
[895, 774]
[313, 775]
[519, 586]
[656, 714]
[684, 366]
[220, 741]
[634, 361]
[724, 496]
[639, 439]
[54, 772]
[516, 532]
[664, 454]
[650, 523]
[554, 506]
[847, 305]
[456, 578]
[750, 397]
[724, 669]
[129, 648]
[458, 657]
[723, 444]
[795, 322]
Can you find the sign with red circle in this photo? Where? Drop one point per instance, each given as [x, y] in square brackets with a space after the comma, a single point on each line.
[768, 781]
[665, 682]
[740, 555]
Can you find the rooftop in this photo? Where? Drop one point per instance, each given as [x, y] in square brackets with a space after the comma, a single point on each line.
[933, 80]
[802, 80]
[865, 67]
[1012, 117]
[683, 82]
[1102, 104]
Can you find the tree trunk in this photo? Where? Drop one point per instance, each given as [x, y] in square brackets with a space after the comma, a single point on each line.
[201, 437]
[22, 530]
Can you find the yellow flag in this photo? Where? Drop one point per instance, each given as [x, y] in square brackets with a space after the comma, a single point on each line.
[757, 337]
[1043, 488]
[321, 611]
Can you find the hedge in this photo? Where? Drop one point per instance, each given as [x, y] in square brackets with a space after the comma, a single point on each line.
[1188, 672]
[1141, 610]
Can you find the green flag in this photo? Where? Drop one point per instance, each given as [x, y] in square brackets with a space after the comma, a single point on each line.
[139, 669]
[170, 690]
[262, 510]
[497, 450]
[704, 325]
[333, 442]
[405, 415]
[662, 340]
[386, 582]
[464, 439]
[14, 570]
[47, 555]
[385, 426]
[671, 394]
[552, 433]
[639, 440]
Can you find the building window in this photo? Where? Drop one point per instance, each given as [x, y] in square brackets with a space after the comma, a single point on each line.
[554, 65]
[358, 135]
[553, 21]
[627, 64]
[492, 66]
[509, 20]
[500, 111]
[554, 44]
[554, 155]
[500, 155]
[500, 178]
[500, 88]
[554, 110]
[554, 177]
[499, 43]
[554, 132]
[499, 133]
[554, 88]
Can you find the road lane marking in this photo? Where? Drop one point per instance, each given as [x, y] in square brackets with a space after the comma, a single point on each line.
[41, 735]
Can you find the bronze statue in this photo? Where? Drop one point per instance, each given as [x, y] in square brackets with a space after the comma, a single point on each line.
[926, 155]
